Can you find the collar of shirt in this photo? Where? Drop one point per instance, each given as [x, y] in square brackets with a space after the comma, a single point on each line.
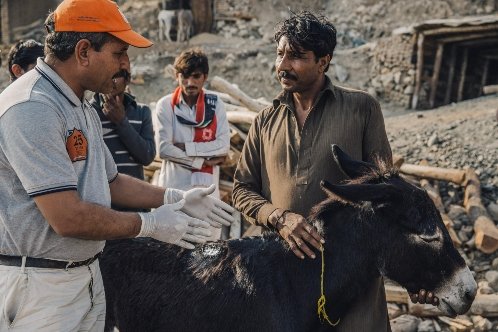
[57, 82]
[285, 98]
[184, 103]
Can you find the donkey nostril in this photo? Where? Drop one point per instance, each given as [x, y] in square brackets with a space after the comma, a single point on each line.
[470, 294]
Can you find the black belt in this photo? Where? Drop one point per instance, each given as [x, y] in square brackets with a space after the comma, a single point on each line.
[44, 263]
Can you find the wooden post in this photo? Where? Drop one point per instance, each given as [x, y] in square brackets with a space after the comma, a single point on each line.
[434, 195]
[489, 89]
[202, 11]
[5, 22]
[461, 82]
[451, 75]
[486, 232]
[438, 202]
[436, 173]
[484, 78]
[224, 86]
[420, 65]
[435, 73]
[485, 305]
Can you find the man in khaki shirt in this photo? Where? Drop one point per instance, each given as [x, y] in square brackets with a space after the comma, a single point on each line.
[288, 150]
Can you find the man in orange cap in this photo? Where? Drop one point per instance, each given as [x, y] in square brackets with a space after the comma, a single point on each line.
[59, 179]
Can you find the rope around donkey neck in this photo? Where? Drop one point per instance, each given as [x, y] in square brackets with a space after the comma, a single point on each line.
[322, 314]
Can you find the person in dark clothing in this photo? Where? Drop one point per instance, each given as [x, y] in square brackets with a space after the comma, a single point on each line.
[127, 125]
[287, 151]
[22, 57]
[127, 128]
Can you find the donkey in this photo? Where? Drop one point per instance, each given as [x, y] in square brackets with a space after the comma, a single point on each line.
[375, 224]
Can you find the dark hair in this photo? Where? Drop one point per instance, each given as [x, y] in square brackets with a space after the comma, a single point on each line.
[191, 60]
[24, 53]
[62, 44]
[309, 32]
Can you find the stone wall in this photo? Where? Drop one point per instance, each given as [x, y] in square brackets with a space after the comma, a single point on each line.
[393, 69]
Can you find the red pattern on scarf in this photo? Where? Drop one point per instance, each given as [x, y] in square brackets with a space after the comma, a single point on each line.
[206, 134]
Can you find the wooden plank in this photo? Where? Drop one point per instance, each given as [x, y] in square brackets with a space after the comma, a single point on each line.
[489, 89]
[398, 160]
[420, 65]
[241, 116]
[438, 202]
[486, 232]
[451, 75]
[484, 78]
[461, 30]
[435, 74]
[396, 294]
[461, 82]
[466, 37]
[224, 86]
[242, 135]
[485, 305]
[435, 173]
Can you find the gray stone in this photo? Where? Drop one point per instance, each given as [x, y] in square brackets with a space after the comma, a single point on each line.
[405, 323]
[426, 326]
[433, 140]
[483, 287]
[408, 90]
[494, 264]
[455, 211]
[492, 278]
[341, 73]
[493, 211]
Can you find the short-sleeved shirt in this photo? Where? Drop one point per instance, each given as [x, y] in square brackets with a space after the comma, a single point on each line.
[50, 141]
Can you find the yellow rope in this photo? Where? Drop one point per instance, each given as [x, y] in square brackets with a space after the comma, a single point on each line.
[322, 314]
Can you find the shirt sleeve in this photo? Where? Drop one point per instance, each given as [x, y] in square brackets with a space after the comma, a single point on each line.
[141, 144]
[164, 138]
[35, 145]
[375, 142]
[219, 146]
[247, 184]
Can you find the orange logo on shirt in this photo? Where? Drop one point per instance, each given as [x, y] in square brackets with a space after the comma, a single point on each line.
[76, 145]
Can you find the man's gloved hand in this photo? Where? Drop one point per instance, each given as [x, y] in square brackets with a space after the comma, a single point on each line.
[168, 224]
[199, 204]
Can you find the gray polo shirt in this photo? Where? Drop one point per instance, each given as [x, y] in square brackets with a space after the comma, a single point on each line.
[50, 141]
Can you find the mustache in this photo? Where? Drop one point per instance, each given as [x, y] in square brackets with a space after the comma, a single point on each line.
[122, 73]
[287, 75]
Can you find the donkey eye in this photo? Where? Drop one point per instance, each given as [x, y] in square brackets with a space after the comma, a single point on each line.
[436, 236]
[429, 238]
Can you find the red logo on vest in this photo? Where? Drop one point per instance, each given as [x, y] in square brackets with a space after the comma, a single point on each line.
[76, 145]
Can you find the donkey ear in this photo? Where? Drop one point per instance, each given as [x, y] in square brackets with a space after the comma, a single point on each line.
[350, 167]
[355, 193]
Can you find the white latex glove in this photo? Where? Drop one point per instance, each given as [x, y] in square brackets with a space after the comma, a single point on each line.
[168, 224]
[199, 204]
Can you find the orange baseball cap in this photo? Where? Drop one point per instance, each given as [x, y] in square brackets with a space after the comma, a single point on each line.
[96, 16]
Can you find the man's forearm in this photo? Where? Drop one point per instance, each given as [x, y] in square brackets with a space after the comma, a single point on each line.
[69, 216]
[126, 191]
